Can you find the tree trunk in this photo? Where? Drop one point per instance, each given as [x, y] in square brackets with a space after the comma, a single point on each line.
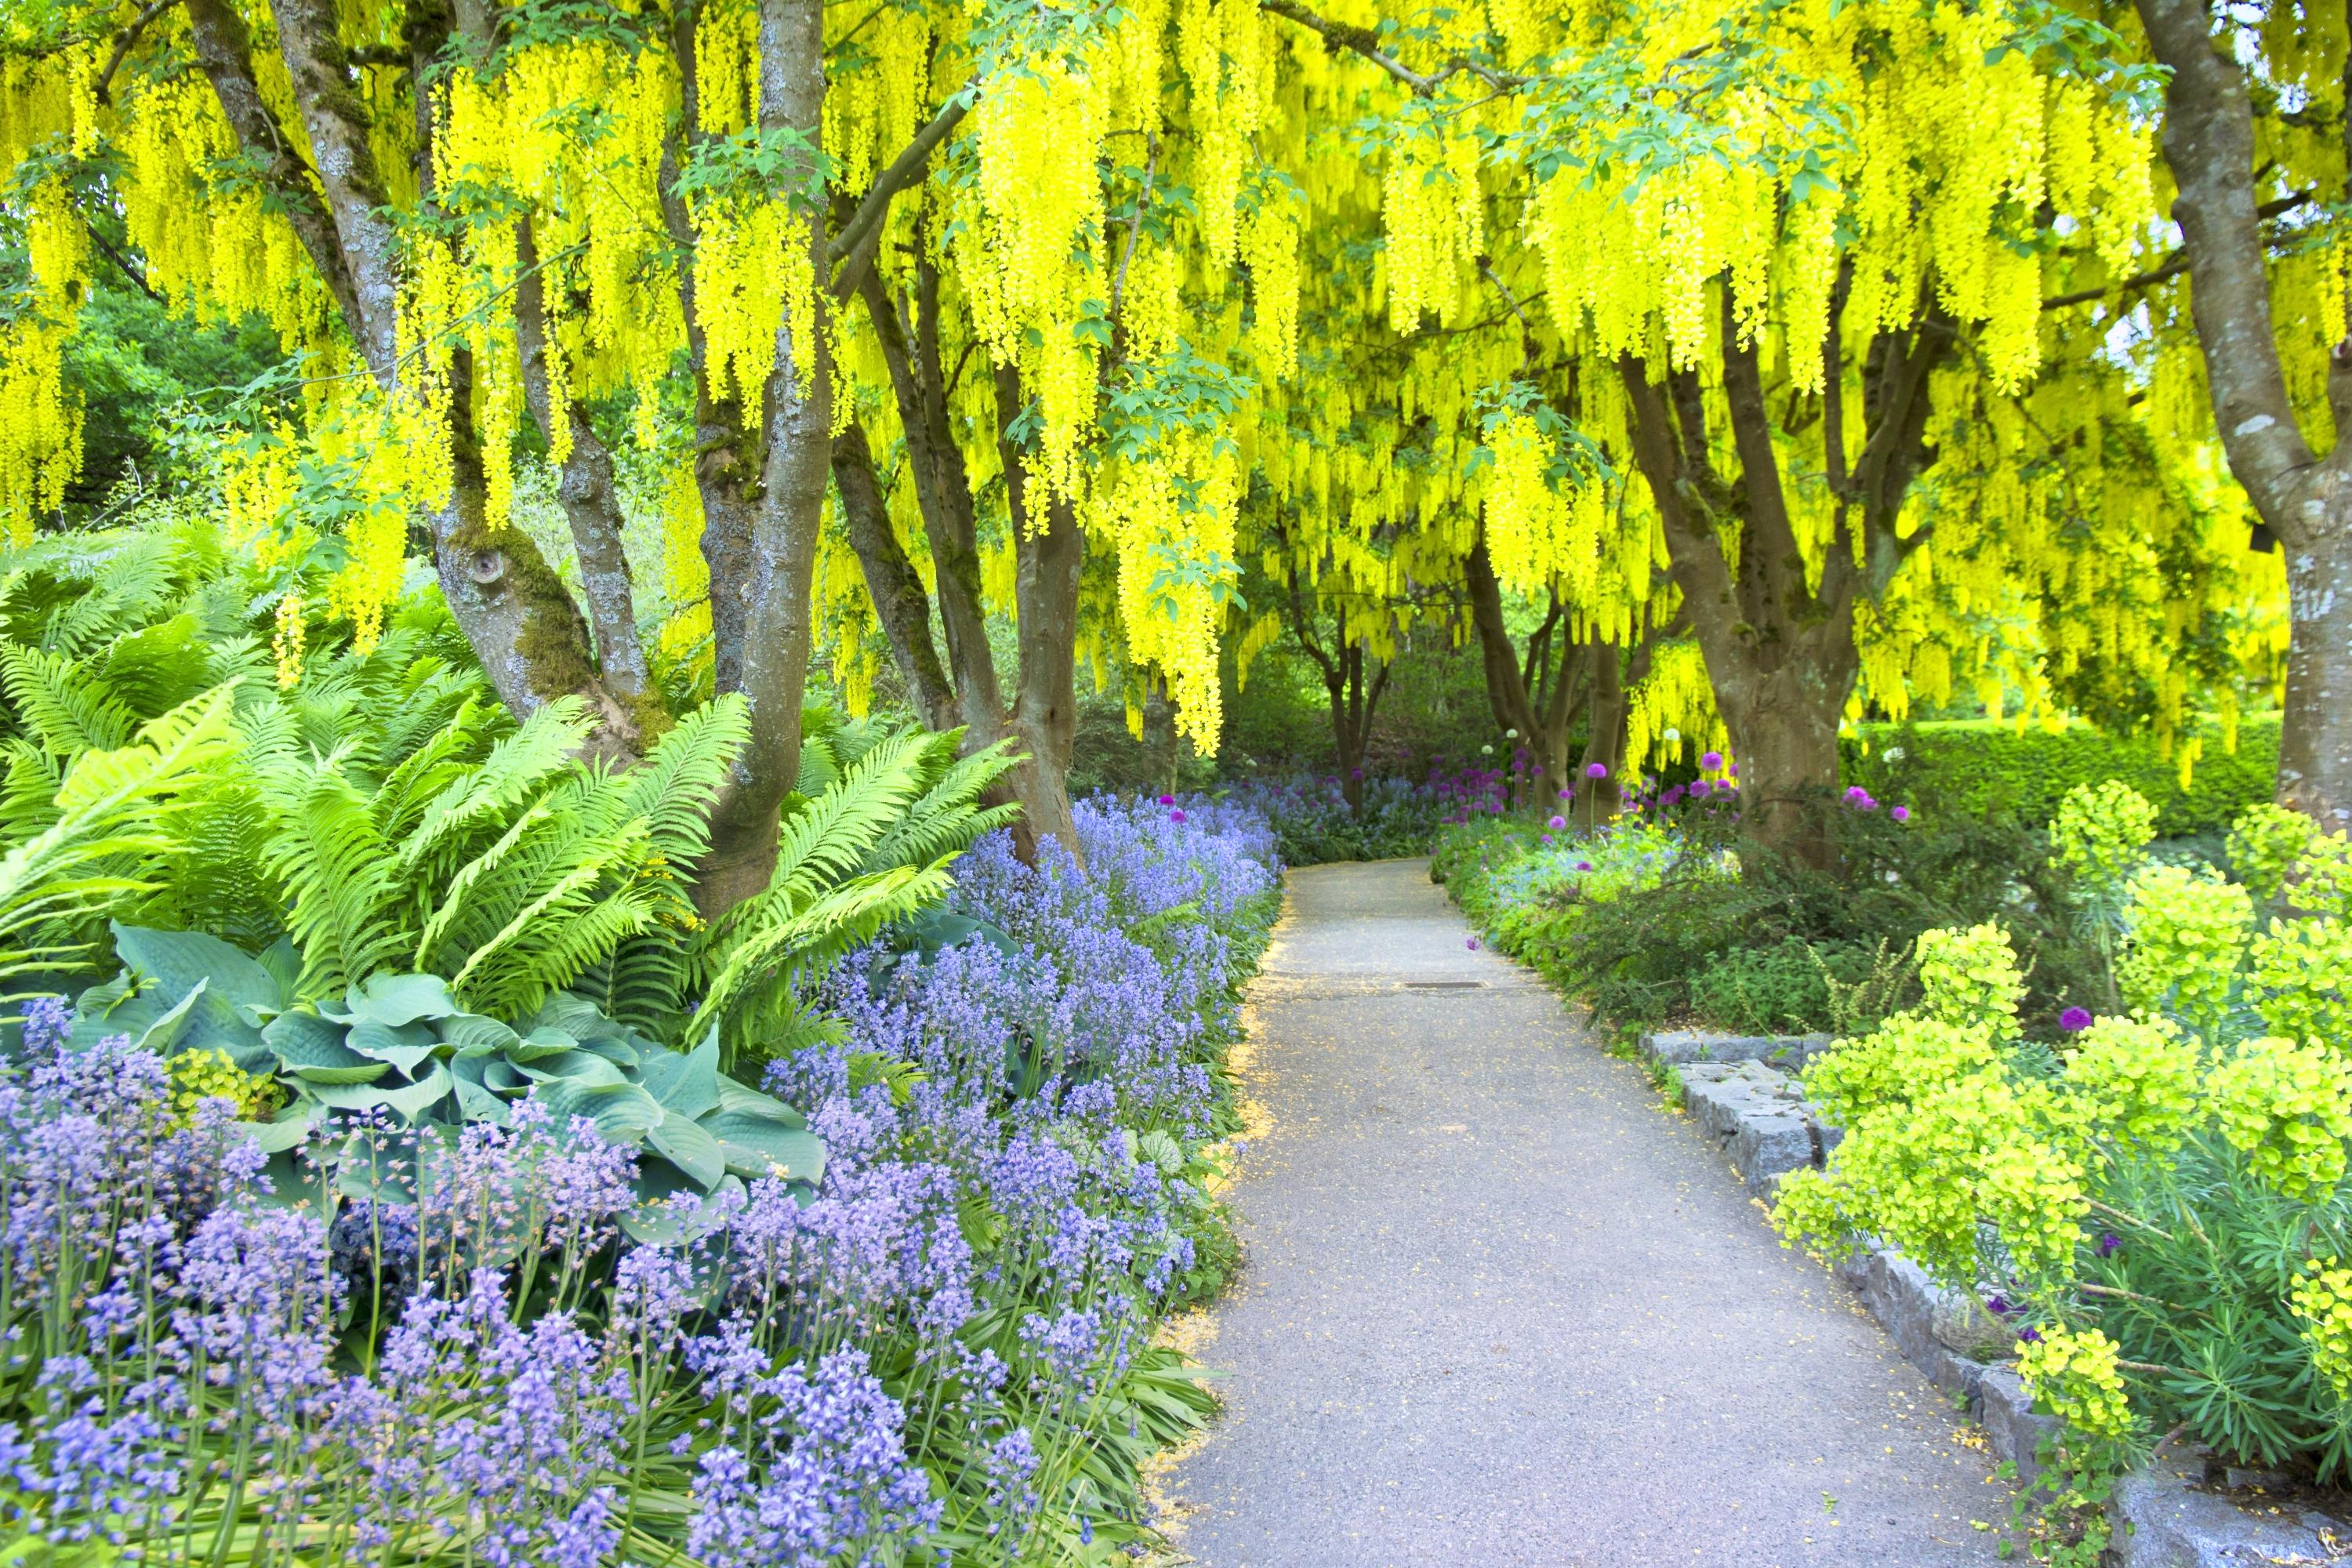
[591, 504]
[899, 602]
[1046, 592]
[1598, 800]
[1543, 730]
[772, 613]
[1780, 653]
[2305, 500]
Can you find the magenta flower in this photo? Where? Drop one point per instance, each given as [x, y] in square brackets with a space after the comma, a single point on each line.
[1712, 761]
[2074, 1020]
[1557, 823]
[1471, 942]
[1168, 800]
[1596, 770]
[1901, 814]
[1568, 794]
[1176, 816]
[1584, 865]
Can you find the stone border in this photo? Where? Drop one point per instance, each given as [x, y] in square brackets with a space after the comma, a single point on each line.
[2177, 1512]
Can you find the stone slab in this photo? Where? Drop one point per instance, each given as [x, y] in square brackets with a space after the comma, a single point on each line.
[1676, 1047]
[2165, 1516]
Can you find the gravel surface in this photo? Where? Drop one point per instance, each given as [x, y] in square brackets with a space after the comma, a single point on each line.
[1500, 1307]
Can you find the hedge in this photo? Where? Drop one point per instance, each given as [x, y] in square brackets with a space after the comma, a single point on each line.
[1979, 766]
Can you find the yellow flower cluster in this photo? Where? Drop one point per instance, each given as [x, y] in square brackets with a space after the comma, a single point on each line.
[201, 1075]
[2322, 1298]
[1675, 698]
[2100, 830]
[2073, 1372]
[2288, 1109]
[2186, 937]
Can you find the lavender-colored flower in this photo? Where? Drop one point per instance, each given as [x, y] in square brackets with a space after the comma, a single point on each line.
[1584, 865]
[1471, 942]
[1711, 760]
[1176, 816]
[1557, 823]
[1596, 770]
[2074, 1020]
[1901, 814]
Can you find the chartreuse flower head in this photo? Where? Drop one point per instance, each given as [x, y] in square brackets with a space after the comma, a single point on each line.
[2101, 832]
[1970, 977]
[2284, 1107]
[2264, 844]
[2073, 1372]
[2131, 1078]
[2186, 936]
[2322, 1298]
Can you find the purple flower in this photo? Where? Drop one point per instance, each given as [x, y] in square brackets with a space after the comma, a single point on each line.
[2074, 1020]
[1901, 814]
[1584, 865]
[1998, 1305]
[1168, 800]
[1711, 760]
[1596, 770]
[2109, 1242]
[2030, 1336]
[1569, 793]
[1471, 942]
[1699, 787]
[1557, 823]
[1177, 817]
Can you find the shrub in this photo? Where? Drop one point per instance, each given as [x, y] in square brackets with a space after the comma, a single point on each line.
[2159, 1207]
[1979, 768]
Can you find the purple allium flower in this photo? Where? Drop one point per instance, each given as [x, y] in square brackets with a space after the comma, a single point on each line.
[2074, 1020]
[1177, 817]
[1901, 814]
[1596, 770]
[1711, 760]
[1700, 787]
[1557, 823]
[1569, 793]
[1584, 865]
[1168, 800]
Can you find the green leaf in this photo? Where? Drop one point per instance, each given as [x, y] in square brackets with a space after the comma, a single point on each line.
[286, 1131]
[472, 1034]
[572, 1067]
[686, 1083]
[689, 1148]
[623, 1112]
[396, 999]
[757, 1145]
[408, 1102]
[312, 1049]
[178, 961]
[406, 1046]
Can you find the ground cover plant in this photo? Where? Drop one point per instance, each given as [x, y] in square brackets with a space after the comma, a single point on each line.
[397, 1166]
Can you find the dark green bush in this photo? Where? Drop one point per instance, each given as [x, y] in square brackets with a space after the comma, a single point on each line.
[1979, 768]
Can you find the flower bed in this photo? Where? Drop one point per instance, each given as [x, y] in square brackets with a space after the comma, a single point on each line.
[482, 1349]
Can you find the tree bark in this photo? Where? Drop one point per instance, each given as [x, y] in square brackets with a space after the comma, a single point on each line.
[904, 609]
[772, 613]
[585, 491]
[513, 609]
[1511, 692]
[1045, 714]
[2304, 500]
[1599, 800]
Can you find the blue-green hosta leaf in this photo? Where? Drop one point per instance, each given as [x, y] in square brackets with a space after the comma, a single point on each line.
[573, 1066]
[500, 1075]
[576, 1016]
[733, 1096]
[689, 1148]
[541, 1042]
[406, 1046]
[662, 1220]
[407, 1101]
[478, 1104]
[758, 1145]
[396, 999]
[685, 1082]
[284, 966]
[623, 1112]
[179, 960]
[473, 1035]
[614, 1050]
[286, 1131]
[312, 1049]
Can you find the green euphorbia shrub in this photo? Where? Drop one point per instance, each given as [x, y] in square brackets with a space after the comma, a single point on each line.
[2159, 1206]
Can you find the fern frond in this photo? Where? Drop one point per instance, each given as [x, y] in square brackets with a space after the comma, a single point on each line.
[63, 704]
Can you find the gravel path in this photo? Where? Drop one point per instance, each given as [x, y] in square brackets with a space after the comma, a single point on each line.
[1500, 1308]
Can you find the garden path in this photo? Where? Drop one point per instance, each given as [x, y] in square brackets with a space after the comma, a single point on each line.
[1500, 1308]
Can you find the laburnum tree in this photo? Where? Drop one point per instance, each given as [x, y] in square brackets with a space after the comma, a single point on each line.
[1714, 330]
[2255, 140]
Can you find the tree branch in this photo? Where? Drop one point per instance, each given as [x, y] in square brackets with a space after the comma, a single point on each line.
[865, 224]
[100, 86]
[1364, 41]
